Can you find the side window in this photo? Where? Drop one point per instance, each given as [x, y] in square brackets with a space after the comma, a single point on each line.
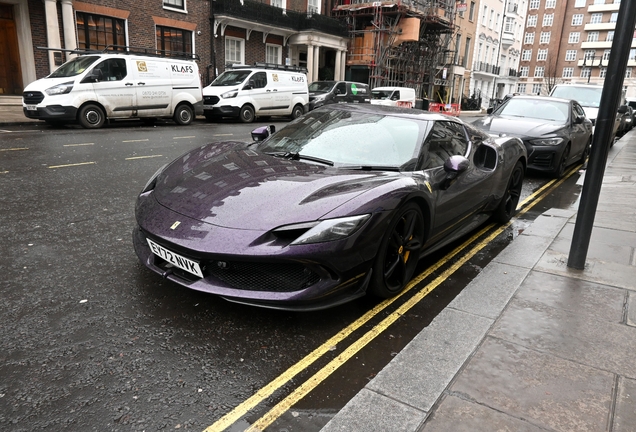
[395, 95]
[578, 110]
[446, 139]
[258, 80]
[112, 70]
[341, 89]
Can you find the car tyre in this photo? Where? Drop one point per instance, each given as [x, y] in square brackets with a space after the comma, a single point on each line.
[508, 204]
[563, 163]
[586, 151]
[183, 115]
[399, 252]
[297, 112]
[246, 114]
[91, 116]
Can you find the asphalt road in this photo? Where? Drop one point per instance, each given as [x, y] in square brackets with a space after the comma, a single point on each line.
[91, 340]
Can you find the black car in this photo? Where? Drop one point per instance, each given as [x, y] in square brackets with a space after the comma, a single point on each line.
[329, 92]
[555, 131]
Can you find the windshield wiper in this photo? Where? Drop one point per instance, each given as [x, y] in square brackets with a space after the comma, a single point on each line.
[298, 156]
[371, 168]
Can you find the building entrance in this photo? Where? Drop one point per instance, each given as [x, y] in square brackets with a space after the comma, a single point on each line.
[10, 73]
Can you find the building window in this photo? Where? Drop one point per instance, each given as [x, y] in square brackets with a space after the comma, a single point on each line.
[592, 36]
[484, 15]
[234, 50]
[313, 6]
[498, 21]
[523, 71]
[97, 32]
[570, 55]
[529, 38]
[273, 54]
[536, 89]
[586, 72]
[610, 36]
[175, 4]
[589, 54]
[550, 4]
[628, 72]
[614, 17]
[526, 55]
[471, 11]
[521, 88]
[606, 55]
[599, 2]
[492, 14]
[568, 72]
[545, 38]
[577, 19]
[542, 55]
[534, 4]
[632, 54]
[602, 72]
[538, 71]
[548, 19]
[580, 3]
[171, 40]
[574, 37]
[508, 27]
[532, 21]
[596, 18]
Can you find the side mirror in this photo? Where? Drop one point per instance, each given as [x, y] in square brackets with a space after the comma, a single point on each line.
[94, 76]
[489, 110]
[454, 166]
[578, 119]
[261, 133]
[622, 109]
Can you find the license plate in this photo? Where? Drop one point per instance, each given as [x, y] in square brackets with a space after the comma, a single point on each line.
[32, 107]
[176, 259]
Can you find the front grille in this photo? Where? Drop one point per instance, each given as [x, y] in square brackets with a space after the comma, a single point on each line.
[32, 97]
[263, 276]
[210, 100]
[543, 160]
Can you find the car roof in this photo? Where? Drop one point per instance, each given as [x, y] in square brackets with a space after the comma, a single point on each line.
[413, 113]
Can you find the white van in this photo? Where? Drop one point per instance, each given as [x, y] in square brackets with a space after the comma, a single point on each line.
[94, 87]
[249, 92]
[393, 96]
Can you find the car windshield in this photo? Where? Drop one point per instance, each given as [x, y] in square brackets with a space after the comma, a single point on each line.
[586, 96]
[74, 67]
[350, 138]
[541, 109]
[321, 86]
[231, 78]
[381, 94]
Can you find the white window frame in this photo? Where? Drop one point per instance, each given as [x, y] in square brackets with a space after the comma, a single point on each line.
[175, 8]
[596, 18]
[589, 54]
[526, 55]
[509, 26]
[484, 15]
[568, 72]
[279, 53]
[524, 71]
[586, 72]
[536, 88]
[241, 44]
[542, 54]
[609, 37]
[628, 72]
[521, 88]
[574, 37]
[592, 36]
[532, 20]
[528, 38]
[545, 37]
[577, 19]
[613, 17]
[548, 19]
[313, 6]
[534, 4]
[539, 71]
[602, 73]
[606, 54]
[580, 3]
[570, 55]
[550, 4]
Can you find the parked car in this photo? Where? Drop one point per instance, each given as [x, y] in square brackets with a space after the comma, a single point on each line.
[341, 202]
[393, 96]
[328, 92]
[626, 119]
[556, 131]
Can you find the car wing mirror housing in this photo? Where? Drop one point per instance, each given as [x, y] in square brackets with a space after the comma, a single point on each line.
[489, 110]
[622, 109]
[261, 133]
[454, 166]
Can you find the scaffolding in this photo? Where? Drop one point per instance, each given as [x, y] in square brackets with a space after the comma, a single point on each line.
[402, 43]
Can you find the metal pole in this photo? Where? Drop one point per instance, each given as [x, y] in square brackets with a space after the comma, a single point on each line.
[610, 99]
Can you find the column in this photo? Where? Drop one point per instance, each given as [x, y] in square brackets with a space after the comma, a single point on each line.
[52, 30]
[343, 63]
[336, 72]
[316, 62]
[68, 21]
[310, 64]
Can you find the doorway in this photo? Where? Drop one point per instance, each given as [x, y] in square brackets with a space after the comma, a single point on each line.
[10, 72]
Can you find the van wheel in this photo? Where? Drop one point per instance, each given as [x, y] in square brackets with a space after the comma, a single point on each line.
[297, 112]
[183, 115]
[91, 116]
[247, 114]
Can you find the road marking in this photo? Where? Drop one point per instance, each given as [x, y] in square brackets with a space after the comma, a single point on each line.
[77, 145]
[143, 157]
[26, 130]
[222, 134]
[15, 149]
[184, 137]
[263, 393]
[4, 172]
[72, 165]
[141, 140]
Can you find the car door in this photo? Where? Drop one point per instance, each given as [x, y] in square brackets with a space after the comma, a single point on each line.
[258, 89]
[580, 131]
[456, 202]
[112, 87]
[279, 83]
[153, 87]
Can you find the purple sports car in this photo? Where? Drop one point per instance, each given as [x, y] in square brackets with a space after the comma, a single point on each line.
[339, 203]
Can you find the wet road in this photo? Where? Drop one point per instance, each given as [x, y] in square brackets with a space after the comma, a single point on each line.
[91, 340]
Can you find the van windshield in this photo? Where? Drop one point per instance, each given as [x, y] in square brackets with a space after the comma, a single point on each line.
[586, 96]
[74, 67]
[381, 94]
[321, 86]
[231, 78]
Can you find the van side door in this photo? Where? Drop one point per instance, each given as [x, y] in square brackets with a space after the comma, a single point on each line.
[280, 85]
[153, 87]
[113, 87]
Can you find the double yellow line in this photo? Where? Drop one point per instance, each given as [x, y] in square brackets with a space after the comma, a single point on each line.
[300, 392]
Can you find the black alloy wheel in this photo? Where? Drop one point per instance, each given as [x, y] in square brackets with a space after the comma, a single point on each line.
[563, 163]
[508, 204]
[586, 151]
[399, 252]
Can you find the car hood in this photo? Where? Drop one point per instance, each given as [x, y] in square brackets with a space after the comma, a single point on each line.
[521, 127]
[232, 185]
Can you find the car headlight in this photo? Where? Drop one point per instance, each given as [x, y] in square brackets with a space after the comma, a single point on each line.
[547, 141]
[230, 94]
[327, 230]
[60, 89]
[152, 182]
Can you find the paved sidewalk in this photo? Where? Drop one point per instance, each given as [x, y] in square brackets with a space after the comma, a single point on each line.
[529, 345]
